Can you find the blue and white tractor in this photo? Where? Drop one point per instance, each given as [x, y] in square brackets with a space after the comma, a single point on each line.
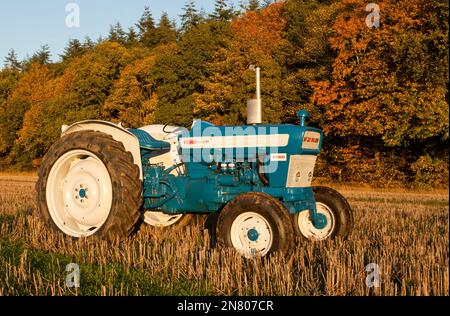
[100, 179]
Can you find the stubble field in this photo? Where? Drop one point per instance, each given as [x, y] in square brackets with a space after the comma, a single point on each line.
[404, 233]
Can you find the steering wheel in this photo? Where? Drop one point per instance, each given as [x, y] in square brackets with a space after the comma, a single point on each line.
[164, 129]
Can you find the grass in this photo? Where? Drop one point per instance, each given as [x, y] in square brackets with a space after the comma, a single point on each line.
[405, 233]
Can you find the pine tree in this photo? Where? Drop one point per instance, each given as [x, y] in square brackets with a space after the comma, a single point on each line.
[74, 49]
[146, 22]
[165, 32]
[190, 17]
[42, 56]
[99, 40]
[11, 60]
[146, 28]
[117, 34]
[253, 5]
[132, 37]
[88, 43]
[222, 11]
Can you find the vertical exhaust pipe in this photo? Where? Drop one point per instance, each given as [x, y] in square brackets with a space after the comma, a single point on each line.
[254, 106]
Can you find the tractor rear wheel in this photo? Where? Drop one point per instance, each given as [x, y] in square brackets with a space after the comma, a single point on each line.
[256, 225]
[335, 214]
[89, 186]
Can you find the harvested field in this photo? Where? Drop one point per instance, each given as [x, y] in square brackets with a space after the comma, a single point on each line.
[405, 233]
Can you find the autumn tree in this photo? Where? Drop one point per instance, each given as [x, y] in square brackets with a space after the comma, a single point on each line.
[133, 99]
[190, 17]
[132, 38]
[9, 77]
[308, 57]
[222, 11]
[73, 49]
[253, 5]
[179, 72]
[388, 82]
[42, 56]
[11, 61]
[27, 91]
[117, 34]
[76, 95]
[146, 29]
[165, 32]
[258, 38]
[389, 85]
[8, 80]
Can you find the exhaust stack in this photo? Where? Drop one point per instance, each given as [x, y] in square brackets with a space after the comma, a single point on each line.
[254, 106]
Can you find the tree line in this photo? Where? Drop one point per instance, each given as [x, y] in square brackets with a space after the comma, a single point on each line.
[379, 93]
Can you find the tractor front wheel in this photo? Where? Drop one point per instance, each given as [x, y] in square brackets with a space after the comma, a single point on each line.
[334, 212]
[256, 225]
[89, 186]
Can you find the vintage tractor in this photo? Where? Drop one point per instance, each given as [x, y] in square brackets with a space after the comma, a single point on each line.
[100, 179]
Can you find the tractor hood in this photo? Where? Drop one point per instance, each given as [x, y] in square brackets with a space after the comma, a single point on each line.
[208, 143]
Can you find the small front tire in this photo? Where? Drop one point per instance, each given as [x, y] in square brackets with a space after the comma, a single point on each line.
[256, 225]
[335, 212]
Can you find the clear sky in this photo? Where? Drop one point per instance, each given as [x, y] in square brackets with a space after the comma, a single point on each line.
[25, 25]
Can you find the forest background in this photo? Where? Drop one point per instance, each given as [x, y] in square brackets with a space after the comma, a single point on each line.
[379, 92]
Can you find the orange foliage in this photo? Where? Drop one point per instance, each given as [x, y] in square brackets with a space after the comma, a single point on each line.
[381, 81]
[261, 31]
[133, 100]
[257, 36]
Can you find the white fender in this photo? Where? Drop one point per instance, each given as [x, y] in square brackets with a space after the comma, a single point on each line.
[120, 134]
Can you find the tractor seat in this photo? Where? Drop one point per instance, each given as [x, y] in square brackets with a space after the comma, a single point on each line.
[146, 141]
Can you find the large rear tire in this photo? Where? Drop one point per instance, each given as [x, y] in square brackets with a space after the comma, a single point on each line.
[89, 186]
[256, 225]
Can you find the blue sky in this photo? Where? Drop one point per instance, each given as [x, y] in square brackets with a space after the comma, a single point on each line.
[25, 25]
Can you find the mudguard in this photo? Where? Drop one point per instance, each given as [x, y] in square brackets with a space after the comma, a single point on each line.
[118, 133]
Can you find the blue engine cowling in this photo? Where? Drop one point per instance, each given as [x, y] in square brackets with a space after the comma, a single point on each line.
[224, 161]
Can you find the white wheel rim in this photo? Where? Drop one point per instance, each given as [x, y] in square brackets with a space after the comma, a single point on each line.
[79, 193]
[251, 235]
[160, 219]
[308, 229]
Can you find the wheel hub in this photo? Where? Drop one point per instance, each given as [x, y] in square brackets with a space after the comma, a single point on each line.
[253, 234]
[82, 193]
[320, 221]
